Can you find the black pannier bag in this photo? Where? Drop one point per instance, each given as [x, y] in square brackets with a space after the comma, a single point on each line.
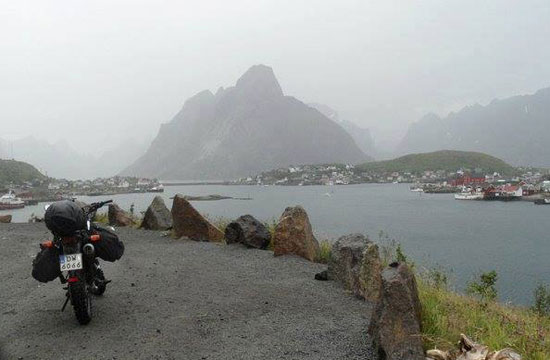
[45, 266]
[109, 247]
[64, 218]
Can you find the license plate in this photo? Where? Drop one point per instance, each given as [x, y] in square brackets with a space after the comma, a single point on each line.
[70, 262]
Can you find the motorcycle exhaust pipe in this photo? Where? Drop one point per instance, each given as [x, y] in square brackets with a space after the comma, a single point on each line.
[88, 249]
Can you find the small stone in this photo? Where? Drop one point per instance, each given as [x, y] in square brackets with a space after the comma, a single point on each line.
[5, 219]
[322, 276]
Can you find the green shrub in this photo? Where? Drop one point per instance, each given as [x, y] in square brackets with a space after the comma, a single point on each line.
[484, 288]
[400, 255]
[542, 300]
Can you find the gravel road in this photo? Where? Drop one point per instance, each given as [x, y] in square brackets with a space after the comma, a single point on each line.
[175, 299]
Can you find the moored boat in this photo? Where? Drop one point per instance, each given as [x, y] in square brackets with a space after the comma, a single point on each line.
[157, 189]
[545, 201]
[10, 201]
[416, 188]
[470, 194]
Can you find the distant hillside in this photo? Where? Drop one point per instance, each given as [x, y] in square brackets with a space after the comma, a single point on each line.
[243, 130]
[447, 160]
[515, 129]
[12, 171]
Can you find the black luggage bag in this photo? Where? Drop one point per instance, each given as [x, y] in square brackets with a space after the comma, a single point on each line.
[109, 247]
[45, 266]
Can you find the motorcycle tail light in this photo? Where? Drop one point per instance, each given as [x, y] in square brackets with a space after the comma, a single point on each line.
[68, 240]
[47, 244]
[95, 238]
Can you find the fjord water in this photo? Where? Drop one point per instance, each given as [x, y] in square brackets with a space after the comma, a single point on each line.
[464, 237]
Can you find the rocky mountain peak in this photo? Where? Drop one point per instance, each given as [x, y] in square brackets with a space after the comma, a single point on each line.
[261, 81]
[243, 130]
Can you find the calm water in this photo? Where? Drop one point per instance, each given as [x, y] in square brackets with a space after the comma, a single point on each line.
[465, 237]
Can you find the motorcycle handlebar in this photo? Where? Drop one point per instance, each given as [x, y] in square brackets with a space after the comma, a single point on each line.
[98, 205]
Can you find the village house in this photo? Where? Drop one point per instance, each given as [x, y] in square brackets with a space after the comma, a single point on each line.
[468, 180]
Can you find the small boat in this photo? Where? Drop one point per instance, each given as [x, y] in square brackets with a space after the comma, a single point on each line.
[545, 201]
[416, 189]
[157, 189]
[9, 201]
[469, 194]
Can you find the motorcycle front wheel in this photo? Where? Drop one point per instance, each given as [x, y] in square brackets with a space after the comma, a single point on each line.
[81, 300]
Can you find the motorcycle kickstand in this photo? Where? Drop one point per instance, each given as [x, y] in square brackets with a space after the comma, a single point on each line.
[66, 301]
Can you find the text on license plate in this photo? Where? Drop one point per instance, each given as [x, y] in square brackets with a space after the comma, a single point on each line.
[70, 262]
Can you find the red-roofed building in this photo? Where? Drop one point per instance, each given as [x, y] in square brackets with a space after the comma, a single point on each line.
[468, 180]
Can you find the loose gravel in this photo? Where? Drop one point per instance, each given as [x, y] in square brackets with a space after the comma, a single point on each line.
[176, 299]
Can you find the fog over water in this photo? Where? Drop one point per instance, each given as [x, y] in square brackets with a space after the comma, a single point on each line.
[116, 70]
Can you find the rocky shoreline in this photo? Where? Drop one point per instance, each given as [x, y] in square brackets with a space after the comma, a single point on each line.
[388, 290]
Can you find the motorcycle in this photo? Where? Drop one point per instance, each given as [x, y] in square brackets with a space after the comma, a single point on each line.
[79, 266]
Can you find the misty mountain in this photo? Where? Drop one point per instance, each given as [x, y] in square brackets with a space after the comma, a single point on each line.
[363, 137]
[243, 130]
[515, 129]
[60, 160]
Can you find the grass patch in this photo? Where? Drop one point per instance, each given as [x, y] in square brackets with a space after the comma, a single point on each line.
[271, 225]
[446, 314]
[325, 251]
[101, 218]
[220, 222]
[137, 222]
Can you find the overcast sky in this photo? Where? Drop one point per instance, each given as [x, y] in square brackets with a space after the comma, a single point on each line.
[115, 69]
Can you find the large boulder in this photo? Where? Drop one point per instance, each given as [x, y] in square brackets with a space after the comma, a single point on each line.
[248, 231]
[396, 323]
[355, 262]
[119, 217]
[157, 216]
[5, 219]
[293, 235]
[186, 221]
[370, 276]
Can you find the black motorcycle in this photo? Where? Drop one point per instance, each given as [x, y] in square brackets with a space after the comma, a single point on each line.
[77, 259]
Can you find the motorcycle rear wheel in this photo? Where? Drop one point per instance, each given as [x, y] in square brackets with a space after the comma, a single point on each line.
[81, 300]
[98, 286]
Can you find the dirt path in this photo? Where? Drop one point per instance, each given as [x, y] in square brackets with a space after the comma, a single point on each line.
[173, 299]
